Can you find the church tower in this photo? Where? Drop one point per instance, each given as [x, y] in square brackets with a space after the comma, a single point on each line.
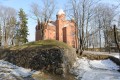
[37, 33]
[60, 24]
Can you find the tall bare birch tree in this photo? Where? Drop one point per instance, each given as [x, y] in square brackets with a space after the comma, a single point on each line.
[8, 22]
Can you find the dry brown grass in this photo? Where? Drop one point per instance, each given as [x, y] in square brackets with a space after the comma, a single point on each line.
[42, 43]
[48, 76]
[95, 56]
[101, 57]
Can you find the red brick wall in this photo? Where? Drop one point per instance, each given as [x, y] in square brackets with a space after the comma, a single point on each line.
[50, 33]
[59, 26]
[57, 29]
[64, 35]
[37, 33]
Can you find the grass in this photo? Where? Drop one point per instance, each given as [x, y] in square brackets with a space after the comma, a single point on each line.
[95, 56]
[43, 44]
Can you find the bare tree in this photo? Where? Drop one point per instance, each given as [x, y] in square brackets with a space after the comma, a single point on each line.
[104, 16]
[116, 40]
[82, 11]
[8, 22]
[43, 13]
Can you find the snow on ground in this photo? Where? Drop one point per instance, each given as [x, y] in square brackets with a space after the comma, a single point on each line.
[116, 55]
[100, 75]
[104, 64]
[8, 70]
[85, 69]
[106, 53]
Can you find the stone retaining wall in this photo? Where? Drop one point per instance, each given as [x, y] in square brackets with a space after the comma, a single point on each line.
[55, 60]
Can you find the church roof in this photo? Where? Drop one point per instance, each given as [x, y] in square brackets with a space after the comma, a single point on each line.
[51, 24]
[60, 12]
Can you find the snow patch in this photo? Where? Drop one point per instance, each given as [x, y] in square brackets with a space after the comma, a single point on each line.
[82, 63]
[100, 75]
[80, 67]
[104, 64]
[86, 69]
[13, 69]
[60, 12]
[117, 56]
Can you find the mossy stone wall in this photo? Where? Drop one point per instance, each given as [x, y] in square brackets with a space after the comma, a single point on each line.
[55, 60]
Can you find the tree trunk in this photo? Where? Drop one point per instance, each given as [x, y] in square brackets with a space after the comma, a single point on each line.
[116, 41]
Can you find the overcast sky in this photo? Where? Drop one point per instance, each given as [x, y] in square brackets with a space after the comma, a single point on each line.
[25, 4]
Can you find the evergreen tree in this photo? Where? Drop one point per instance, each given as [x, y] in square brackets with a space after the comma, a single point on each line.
[23, 26]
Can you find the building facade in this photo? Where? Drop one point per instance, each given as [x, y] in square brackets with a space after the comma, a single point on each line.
[61, 30]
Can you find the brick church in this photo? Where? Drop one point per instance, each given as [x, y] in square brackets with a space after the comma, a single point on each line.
[61, 30]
